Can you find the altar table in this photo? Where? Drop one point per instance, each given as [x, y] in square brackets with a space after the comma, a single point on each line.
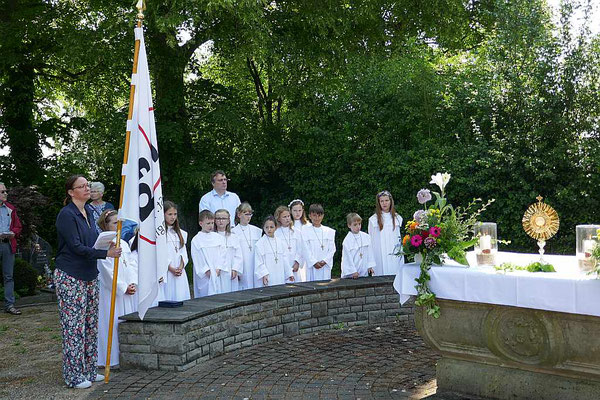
[567, 290]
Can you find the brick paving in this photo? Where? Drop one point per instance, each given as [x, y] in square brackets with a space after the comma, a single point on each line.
[386, 362]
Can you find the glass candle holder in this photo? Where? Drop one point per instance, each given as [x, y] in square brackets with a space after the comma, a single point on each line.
[487, 247]
[587, 240]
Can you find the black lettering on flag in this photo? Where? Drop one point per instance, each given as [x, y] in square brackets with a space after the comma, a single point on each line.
[145, 189]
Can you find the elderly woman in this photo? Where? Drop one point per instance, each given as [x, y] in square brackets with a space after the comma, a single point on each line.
[76, 280]
[98, 205]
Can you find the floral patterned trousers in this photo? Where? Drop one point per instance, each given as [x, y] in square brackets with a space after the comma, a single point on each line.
[78, 309]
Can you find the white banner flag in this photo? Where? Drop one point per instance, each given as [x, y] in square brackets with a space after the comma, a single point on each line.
[142, 196]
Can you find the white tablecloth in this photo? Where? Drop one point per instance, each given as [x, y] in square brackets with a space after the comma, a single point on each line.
[566, 290]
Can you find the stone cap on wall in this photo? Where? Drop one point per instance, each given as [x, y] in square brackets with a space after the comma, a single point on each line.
[203, 306]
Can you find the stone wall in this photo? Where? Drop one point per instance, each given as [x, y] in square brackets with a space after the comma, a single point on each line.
[179, 338]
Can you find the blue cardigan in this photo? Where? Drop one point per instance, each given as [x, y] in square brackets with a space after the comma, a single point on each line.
[76, 255]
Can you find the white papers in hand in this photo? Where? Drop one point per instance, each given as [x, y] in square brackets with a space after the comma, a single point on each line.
[105, 239]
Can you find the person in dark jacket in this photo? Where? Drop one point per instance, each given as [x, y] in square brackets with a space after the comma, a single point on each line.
[10, 228]
[76, 280]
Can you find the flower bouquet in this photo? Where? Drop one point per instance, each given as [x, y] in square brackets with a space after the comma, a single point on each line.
[437, 232]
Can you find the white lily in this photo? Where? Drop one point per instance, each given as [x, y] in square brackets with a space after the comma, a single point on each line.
[440, 179]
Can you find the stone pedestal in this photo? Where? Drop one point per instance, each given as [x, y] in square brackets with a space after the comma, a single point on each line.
[513, 353]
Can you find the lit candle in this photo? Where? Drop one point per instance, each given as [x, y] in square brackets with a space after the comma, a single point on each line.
[588, 247]
[485, 243]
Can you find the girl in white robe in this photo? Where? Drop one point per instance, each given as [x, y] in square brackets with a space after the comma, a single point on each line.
[319, 246]
[357, 254]
[269, 259]
[125, 298]
[233, 252]
[248, 236]
[208, 256]
[299, 221]
[292, 241]
[177, 287]
[384, 229]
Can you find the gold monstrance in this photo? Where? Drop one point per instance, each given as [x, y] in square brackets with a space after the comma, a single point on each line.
[541, 222]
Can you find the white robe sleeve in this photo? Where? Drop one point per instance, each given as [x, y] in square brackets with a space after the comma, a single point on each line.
[331, 249]
[183, 250]
[375, 235]
[238, 258]
[260, 262]
[348, 267]
[308, 252]
[299, 253]
[106, 268]
[200, 266]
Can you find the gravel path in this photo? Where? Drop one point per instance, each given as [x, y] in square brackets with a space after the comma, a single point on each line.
[390, 361]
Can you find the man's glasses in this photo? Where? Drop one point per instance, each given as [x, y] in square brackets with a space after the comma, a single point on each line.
[85, 185]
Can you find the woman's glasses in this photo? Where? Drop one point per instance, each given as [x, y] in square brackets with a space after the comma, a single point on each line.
[85, 185]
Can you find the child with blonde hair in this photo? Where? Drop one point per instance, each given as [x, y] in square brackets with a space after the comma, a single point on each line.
[357, 254]
[126, 300]
[233, 252]
[292, 241]
[248, 235]
[208, 256]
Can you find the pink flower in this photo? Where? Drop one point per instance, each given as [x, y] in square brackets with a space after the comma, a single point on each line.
[430, 242]
[416, 240]
[435, 231]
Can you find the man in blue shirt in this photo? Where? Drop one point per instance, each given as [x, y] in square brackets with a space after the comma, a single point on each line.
[219, 197]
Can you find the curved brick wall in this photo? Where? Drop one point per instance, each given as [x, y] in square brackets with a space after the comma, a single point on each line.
[179, 338]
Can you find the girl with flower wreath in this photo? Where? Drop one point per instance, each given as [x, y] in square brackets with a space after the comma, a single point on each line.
[384, 229]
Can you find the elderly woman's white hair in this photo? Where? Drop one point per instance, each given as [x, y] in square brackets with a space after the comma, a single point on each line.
[97, 186]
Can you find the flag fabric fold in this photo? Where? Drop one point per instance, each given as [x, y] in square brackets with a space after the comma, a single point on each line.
[142, 200]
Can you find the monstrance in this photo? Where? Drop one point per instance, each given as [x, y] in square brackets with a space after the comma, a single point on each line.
[541, 222]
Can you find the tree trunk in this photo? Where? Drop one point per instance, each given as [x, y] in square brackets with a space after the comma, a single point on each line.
[23, 141]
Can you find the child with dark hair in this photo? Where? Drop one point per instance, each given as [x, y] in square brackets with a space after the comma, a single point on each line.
[319, 245]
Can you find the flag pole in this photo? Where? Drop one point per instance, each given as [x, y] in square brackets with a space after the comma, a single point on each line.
[141, 6]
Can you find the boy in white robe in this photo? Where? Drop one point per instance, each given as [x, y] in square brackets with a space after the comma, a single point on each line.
[271, 266]
[357, 254]
[233, 252]
[125, 297]
[208, 256]
[319, 246]
[248, 235]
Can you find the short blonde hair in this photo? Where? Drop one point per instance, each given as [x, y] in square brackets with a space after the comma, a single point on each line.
[353, 217]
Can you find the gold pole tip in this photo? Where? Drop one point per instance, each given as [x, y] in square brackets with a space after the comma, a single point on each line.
[141, 6]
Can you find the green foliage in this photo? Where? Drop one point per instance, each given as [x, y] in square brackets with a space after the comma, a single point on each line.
[330, 102]
[533, 267]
